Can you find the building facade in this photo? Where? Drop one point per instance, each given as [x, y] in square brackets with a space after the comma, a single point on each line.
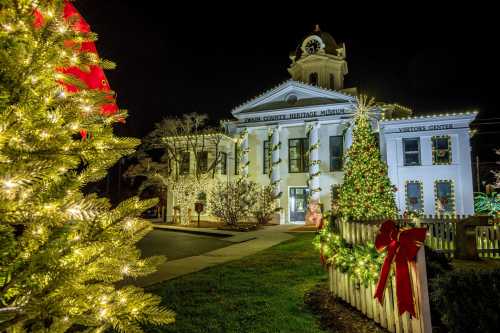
[295, 135]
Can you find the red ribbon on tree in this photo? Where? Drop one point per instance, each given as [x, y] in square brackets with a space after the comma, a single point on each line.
[402, 246]
[94, 78]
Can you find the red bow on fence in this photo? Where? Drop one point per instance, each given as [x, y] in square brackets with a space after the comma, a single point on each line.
[402, 247]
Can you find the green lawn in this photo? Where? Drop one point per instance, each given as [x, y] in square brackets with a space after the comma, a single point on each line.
[261, 293]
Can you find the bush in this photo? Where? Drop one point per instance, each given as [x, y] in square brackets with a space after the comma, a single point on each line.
[265, 205]
[437, 263]
[467, 300]
[485, 203]
[231, 201]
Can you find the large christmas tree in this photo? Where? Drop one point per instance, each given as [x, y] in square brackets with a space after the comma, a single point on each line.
[62, 251]
[366, 192]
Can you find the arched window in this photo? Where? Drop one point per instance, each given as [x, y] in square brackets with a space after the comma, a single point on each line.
[332, 81]
[313, 79]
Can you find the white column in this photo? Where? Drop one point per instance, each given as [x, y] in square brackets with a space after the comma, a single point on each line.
[244, 160]
[314, 161]
[275, 160]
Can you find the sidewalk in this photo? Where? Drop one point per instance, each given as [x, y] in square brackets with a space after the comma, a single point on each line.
[246, 243]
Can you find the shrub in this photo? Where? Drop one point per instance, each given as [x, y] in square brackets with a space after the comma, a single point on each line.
[489, 204]
[265, 204]
[437, 263]
[467, 300]
[233, 200]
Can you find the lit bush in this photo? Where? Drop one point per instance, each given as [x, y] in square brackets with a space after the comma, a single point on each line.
[233, 200]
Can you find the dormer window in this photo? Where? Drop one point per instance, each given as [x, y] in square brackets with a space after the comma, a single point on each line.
[292, 99]
[313, 79]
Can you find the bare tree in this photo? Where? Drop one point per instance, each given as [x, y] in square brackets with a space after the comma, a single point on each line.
[181, 139]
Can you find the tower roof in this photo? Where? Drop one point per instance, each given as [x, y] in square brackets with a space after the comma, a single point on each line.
[331, 45]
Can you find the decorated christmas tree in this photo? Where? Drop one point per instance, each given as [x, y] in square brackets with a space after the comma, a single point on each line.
[366, 191]
[62, 251]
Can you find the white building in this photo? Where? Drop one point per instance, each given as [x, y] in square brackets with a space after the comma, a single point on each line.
[428, 157]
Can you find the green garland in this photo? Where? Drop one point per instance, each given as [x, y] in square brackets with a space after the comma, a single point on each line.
[362, 262]
[314, 146]
[317, 174]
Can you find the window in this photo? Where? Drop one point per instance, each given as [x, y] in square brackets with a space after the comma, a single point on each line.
[298, 156]
[441, 150]
[266, 158]
[202, 161]
[336, 152]
[313, 79]
[411, 151]
[236, 159]
[184, 163]
[444, 197]
[223, 163]
[414, 196]
[332, 81]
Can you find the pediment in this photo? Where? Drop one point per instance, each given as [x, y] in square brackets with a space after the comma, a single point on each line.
[292, 94]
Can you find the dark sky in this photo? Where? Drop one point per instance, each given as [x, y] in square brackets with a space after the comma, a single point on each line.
[208, 58]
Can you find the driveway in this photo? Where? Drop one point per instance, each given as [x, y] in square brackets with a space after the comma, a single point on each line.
[176, 245]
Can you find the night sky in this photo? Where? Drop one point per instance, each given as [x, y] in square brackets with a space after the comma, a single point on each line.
[209, 58]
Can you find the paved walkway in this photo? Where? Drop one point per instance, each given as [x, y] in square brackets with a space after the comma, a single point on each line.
[245, 244]
[177, 245]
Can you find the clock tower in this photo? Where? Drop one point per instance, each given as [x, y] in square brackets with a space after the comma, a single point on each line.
[320, 61]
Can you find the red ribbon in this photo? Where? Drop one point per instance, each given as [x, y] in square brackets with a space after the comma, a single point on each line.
[402, 247]
[94, 77]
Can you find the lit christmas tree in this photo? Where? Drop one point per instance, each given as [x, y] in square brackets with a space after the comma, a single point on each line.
[61, 251]
[367, 191]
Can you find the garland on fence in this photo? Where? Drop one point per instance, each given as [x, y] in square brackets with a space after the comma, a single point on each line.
[362, 262]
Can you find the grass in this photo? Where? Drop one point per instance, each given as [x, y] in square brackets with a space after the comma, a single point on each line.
[260, 293]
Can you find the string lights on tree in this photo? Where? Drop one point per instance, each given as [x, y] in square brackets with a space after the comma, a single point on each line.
[366, 191]
[62, 251]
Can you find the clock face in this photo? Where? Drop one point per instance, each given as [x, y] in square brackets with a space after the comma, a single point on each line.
[312, 46]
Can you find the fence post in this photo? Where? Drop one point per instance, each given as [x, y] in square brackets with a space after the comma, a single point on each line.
[419, 273]
[465, 237]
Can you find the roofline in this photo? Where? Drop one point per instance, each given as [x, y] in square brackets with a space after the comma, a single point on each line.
[471, 115]
[278, 87]
[200, 134]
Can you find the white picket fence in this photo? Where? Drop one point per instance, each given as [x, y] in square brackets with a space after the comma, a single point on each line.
[362, 298]
[440, 235]
[488, 241]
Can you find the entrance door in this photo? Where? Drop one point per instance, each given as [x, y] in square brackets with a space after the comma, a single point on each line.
[298, 203]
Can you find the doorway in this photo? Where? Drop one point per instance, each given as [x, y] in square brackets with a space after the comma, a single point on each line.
[297, 199]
